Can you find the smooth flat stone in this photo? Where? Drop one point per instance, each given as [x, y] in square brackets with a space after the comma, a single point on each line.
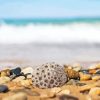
[3, 88]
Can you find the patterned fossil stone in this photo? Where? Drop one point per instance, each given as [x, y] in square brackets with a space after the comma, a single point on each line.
[49, 75]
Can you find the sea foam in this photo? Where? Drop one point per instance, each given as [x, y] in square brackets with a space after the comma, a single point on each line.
[50, 33]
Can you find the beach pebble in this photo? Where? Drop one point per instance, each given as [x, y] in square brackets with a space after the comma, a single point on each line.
[67, 97]
[66, 91]
[18, 96]
[16, 71]
[49, 75]
[72, 74]
[95, 91]
[18, 79]
[55, 90]
[26, 90]
[88, 97]
[5, 72]
[77, 67]
[27, 70]
[75, 82]
[26, 83]
[49, 92]
[96, 77]
[29, 76]
[84, 77]
[3, 88]
[4, 80]
[92, 71]
[97, 71]
[87, 87]
[72, 82]
[46, 94]
[68, 66]
[85, 71]
[95, 66]
[80, 84]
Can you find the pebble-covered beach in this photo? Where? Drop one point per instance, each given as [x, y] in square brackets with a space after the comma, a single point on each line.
[56, 82]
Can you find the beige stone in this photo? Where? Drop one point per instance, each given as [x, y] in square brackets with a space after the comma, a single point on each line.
[88, 87]
[18, 79]
[96, 78]
[27, 70]
[84, 77]
[5, 72]
[4, 80]
[95, 91]
[72, 74]
[55, 90]
[25, 82]
[95, 66]
[66, 91]
[18, 96]
[77, 67]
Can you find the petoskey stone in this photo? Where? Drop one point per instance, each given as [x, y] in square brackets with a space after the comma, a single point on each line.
[49, 75]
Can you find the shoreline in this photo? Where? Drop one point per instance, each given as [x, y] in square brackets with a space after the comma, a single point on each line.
[22, 88]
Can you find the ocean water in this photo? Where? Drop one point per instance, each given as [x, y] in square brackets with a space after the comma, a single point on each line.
[60, 31]
[37, 41]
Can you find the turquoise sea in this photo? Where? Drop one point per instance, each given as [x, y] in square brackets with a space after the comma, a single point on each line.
[49, 21]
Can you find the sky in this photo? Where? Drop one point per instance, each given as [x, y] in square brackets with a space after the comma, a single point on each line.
[49, 8]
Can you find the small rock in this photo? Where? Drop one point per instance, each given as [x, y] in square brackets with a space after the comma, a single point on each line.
[27, 91]
[88, 87]
[66, 91]
[72, 74]
[18, 96]
[85, 77]
[98, 71]
[88, 97]
[26, 83]
[27, 70]
[85, 71]
[80, 84]
[18, 79]
[5, 72]
[92, 71]
[68, 66]
[95, 91]
[72, 82]
[67, 97]
[4, 80]
[96, 77]
[95, 66]
[46, 94]
[77, 67]
[55, 90]
[49, 75]
[16, 71]
[3, 88]
[29, 76]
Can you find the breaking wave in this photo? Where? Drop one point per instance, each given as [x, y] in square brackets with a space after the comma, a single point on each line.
[49, 33]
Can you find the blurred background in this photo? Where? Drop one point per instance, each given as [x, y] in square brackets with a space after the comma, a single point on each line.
[40, 31]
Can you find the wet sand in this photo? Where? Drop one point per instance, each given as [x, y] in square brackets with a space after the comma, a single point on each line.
[35, 54]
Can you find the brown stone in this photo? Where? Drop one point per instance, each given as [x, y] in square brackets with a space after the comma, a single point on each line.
[84, 77]
[72, 74]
